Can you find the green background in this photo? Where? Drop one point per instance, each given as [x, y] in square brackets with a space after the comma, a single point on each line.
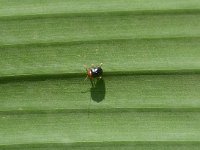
[150, 52]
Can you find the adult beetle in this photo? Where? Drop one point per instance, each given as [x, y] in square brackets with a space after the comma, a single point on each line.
[94, 71]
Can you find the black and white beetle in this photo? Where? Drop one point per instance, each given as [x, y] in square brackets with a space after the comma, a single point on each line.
[94, 72]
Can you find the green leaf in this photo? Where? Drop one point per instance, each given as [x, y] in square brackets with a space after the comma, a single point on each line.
[148, 97]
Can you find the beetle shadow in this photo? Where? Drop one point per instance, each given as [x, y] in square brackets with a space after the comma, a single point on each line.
[98, 90]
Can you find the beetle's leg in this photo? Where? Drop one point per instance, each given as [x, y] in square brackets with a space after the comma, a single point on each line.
[86, 71]
[99, 78]
[92, 82]
[86, 78]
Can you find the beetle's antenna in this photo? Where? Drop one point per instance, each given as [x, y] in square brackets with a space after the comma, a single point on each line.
[100, 64]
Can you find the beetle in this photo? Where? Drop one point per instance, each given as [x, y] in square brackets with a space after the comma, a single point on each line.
[94, 72]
